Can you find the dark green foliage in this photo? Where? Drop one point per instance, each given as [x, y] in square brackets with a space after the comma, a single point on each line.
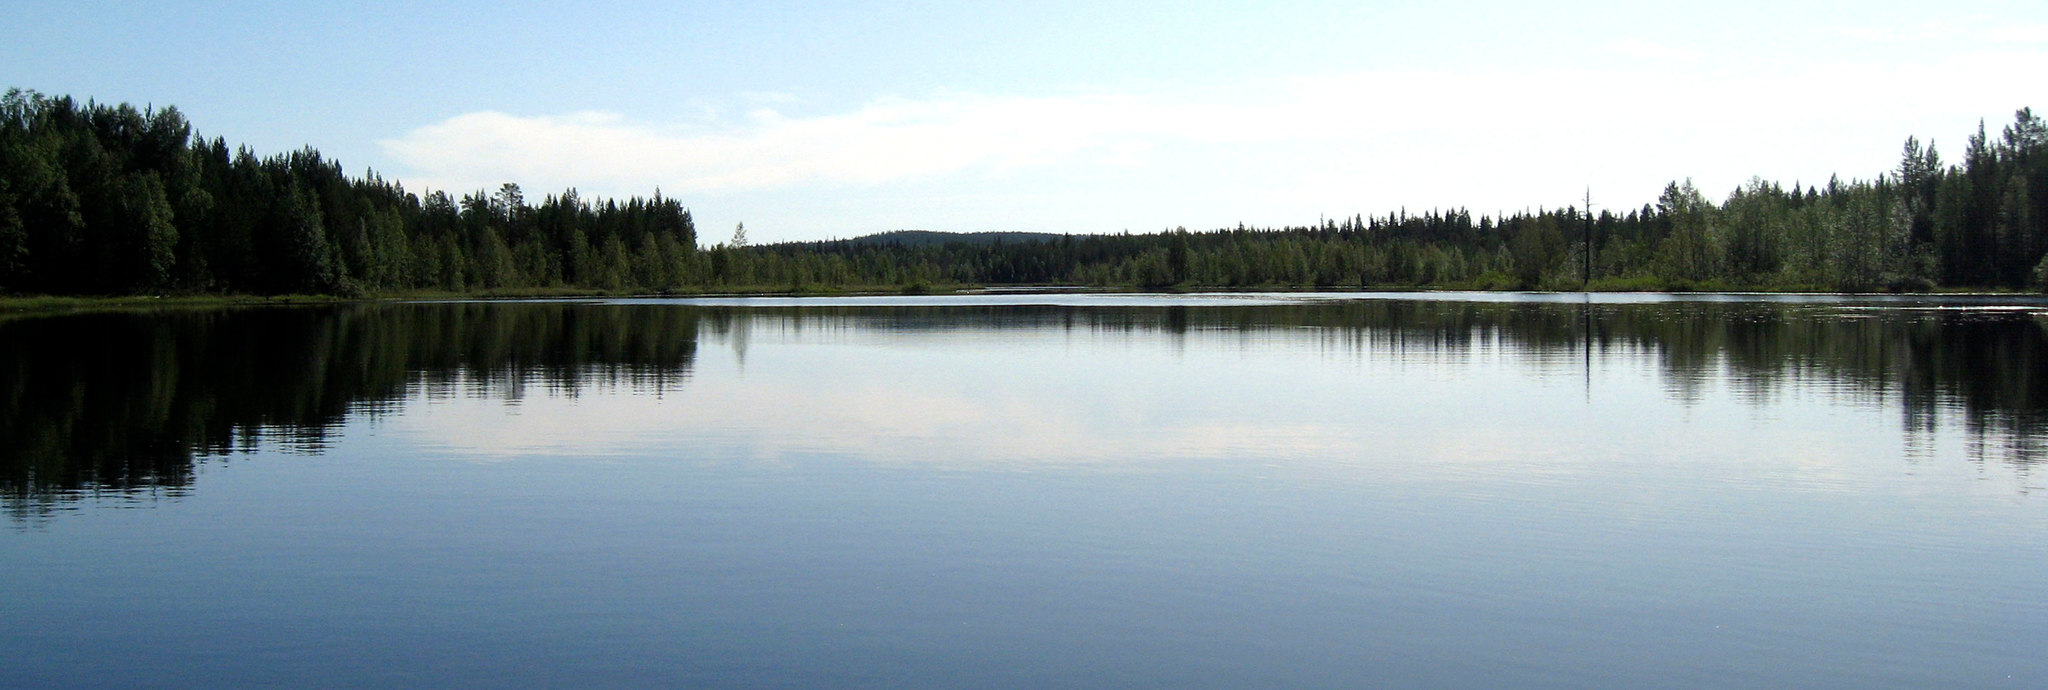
[111, 200]
[1913, 229]
[1981, 224]
[920, 238]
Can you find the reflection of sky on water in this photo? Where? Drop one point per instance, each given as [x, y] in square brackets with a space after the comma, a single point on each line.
[1398, 384]
[1358, 493]
[1076, 298]
[1313, 402]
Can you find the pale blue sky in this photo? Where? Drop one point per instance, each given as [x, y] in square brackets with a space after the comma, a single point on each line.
[837, 119]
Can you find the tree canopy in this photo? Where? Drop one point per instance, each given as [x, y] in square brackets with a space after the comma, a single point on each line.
[100, 199]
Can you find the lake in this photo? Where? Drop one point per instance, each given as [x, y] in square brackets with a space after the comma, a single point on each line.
[1023, 490]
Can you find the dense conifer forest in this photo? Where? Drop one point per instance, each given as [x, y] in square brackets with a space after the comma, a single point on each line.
[113, 200]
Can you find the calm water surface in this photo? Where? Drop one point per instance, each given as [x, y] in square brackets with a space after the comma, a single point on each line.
[1031, 491]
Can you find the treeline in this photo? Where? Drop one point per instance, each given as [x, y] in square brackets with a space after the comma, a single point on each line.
[1982, 223]
[99, 199]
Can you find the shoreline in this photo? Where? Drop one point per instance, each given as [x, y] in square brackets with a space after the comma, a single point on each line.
[45, 304]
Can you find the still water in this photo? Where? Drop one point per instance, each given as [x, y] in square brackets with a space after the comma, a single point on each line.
[1031, 491]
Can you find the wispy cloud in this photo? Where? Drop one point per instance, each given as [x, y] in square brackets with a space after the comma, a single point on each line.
[1639, 48]
[1924, 32]
[2024, 33]
[886, 140]
[1366, 140]
[895, 139]
[1970, 29]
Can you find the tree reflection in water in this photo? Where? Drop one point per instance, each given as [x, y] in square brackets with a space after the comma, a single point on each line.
[124, 403]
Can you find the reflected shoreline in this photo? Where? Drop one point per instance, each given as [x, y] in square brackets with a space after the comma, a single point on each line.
[127, 403]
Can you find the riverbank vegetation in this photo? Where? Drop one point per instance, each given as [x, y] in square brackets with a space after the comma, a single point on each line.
[113, 200]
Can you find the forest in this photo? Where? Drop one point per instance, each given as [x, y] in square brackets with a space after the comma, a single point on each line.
[102, 199]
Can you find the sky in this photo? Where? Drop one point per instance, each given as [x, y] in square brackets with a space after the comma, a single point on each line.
[836, 119]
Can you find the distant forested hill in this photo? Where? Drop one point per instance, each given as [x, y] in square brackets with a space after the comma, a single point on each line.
[102, 199]
[925, 238]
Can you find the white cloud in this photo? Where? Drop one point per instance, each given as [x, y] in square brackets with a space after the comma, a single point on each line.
[1924, 32]
[1865, 34]
[886, 140]
[2025, 33]
[1970, 29]
[1263, 152]
[770, 97]
[1636, 47]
